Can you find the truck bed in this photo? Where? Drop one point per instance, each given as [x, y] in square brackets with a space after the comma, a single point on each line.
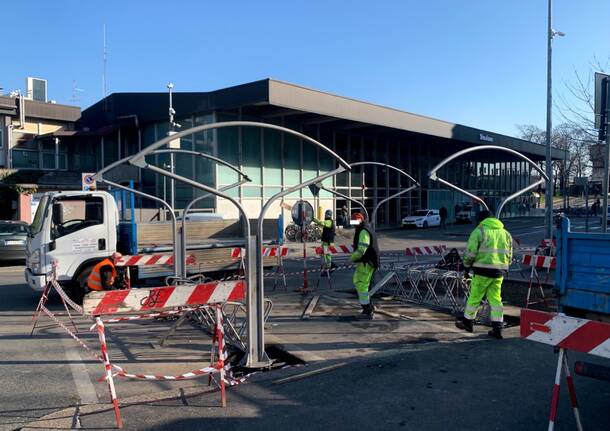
[583, 271]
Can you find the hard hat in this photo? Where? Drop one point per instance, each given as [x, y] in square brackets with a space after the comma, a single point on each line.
[116, 256]
[358, 216]
[328, 214]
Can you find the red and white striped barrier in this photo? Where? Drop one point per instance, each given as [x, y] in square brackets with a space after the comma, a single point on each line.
[267, 252]
[566, 333]
[427, 250]
[335, 249]
[151, 259]
[548, 242]
[157, 298]
[548, 262]
[559, 330]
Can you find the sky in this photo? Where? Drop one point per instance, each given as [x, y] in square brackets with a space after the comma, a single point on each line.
[479, 63]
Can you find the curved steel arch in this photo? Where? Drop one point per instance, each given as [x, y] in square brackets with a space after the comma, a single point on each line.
[434, 177]
[256, 349]
[373, 218]
[134, 160]
[99, 176]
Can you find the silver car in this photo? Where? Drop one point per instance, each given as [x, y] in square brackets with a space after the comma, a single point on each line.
[13, 235]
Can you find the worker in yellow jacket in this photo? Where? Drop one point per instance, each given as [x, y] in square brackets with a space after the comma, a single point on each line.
[327, 238]
[489, 253]
[366, 257]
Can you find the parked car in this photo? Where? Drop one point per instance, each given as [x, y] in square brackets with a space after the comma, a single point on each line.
[13, 235]
[422, 218]
[465, 213]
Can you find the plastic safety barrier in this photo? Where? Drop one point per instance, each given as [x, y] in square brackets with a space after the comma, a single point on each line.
[151, 259]
[547, 262]
[565, 333]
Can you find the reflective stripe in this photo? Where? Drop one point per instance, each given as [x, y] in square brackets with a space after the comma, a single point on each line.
[503, 266]
[494, 250]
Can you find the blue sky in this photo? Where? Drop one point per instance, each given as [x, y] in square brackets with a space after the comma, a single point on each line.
[476, 62]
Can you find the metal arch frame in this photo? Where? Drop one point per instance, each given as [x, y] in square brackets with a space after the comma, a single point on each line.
[154, 198]
[256, 356]
[341, 195]
[178, 260]
[434, 177]
[183, 223]
[373, 218]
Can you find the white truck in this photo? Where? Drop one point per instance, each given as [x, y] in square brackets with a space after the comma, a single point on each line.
[78, 229]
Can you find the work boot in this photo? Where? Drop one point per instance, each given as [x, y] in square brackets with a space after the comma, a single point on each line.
[368, 312]
[464, 324]
[496, 330]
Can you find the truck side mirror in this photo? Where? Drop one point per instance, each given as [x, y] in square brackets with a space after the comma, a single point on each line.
[58, 213]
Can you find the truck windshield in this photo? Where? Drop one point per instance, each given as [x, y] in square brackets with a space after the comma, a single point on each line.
[40, 211]
[71, 214]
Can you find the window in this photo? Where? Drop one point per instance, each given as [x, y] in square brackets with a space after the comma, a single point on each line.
[73, 214]
[273, 158]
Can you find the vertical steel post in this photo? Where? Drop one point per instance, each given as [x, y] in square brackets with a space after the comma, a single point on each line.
[549, 124]
[606, 160]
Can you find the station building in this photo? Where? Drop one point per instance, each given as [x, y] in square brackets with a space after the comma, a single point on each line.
[123, 123]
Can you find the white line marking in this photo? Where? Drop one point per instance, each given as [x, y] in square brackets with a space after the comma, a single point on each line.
[82, 381]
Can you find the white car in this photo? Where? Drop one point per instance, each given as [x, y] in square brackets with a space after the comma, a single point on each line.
[422, 218]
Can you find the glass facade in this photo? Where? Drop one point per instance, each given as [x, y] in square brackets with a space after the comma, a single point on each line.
[275, 161]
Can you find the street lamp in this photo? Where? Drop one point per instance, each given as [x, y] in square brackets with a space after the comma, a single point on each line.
[549, 122]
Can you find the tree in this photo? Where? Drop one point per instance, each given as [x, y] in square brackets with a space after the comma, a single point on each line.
[575, 144]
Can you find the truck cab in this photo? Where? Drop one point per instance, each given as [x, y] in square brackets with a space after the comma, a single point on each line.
[76, 230]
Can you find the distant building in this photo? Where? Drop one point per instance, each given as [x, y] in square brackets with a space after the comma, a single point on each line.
[122, 123]
[35, 143]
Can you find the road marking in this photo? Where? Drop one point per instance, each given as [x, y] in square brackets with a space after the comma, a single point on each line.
[82, 381]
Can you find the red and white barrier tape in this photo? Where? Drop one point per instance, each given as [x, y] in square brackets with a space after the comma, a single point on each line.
[335, 249]
[267, 252]
[426, 250]
[549, 262]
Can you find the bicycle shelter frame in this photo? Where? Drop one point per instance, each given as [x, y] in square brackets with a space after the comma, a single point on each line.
[434, 177]
[256, 356]
[395, 195]
[179, 252]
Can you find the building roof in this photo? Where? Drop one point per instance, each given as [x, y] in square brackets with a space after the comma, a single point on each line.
[41, 110]
[289, 99]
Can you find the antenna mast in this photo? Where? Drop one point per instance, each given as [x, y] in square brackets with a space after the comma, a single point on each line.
[104, 61]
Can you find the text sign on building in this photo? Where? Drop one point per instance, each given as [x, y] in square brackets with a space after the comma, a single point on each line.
[88, 183]
[486, 138]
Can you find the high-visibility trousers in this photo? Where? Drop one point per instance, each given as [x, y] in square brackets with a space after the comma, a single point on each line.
[485, 287]
[362, 281]
[328, 257]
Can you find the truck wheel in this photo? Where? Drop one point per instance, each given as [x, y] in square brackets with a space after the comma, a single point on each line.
[79, 287]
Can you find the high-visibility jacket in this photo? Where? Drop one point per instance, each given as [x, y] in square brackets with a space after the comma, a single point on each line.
[328, 229]
[489, 249]
[365, 246]
[95, 278]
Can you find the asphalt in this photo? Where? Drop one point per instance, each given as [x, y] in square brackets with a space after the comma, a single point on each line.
[410, 368]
